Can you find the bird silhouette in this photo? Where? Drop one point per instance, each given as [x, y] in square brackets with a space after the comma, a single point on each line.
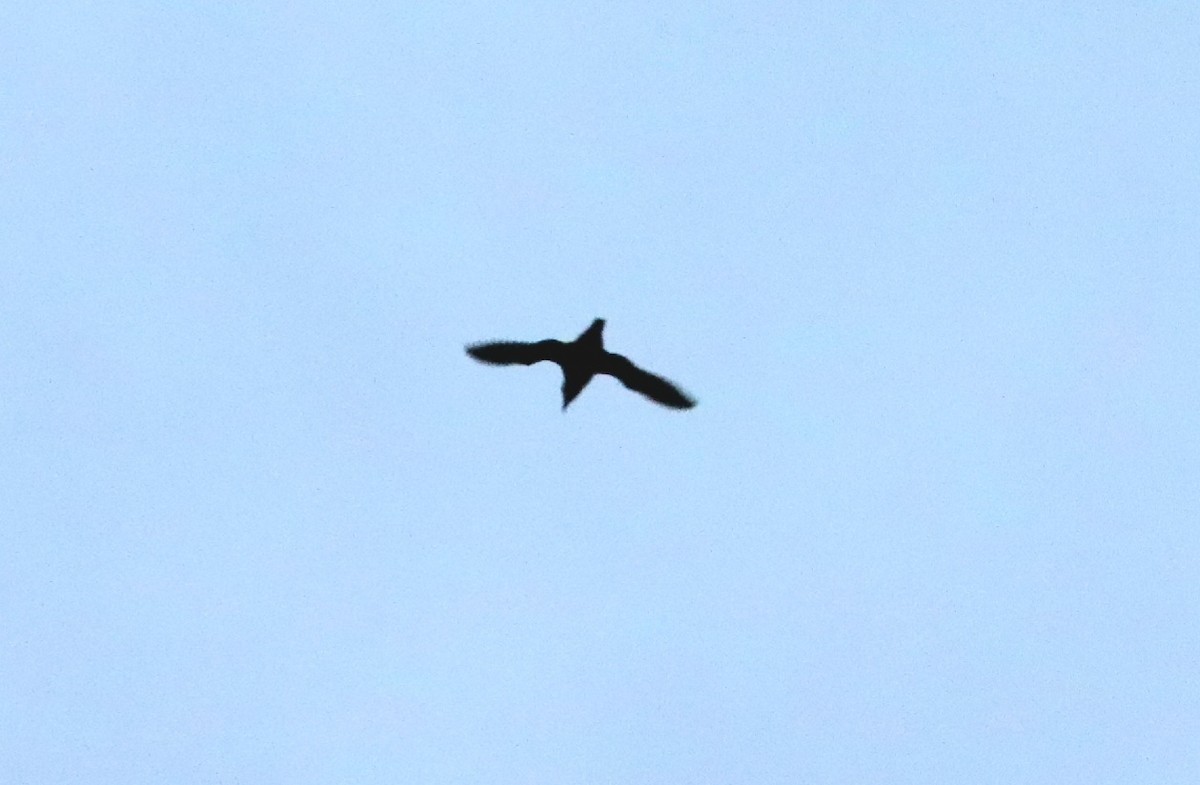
[580, 360]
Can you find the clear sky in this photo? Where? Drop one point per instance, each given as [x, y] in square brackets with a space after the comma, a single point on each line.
[931, 270]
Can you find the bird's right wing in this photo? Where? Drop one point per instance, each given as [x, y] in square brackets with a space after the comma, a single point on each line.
[654, 387]
[516, 352]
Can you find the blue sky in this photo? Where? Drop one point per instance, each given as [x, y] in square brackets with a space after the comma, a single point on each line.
[931, 271]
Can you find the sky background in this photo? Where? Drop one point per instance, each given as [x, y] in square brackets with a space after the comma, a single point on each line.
[931, 270]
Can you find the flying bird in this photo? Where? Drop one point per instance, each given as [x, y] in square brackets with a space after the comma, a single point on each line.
[580, 360]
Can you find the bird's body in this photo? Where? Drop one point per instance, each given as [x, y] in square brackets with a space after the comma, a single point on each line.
[580, 360]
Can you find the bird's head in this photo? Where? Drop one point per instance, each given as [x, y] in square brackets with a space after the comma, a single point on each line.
[592, 335]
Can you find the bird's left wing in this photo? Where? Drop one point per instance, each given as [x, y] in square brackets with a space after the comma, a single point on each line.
[653, 387]
[515, 352]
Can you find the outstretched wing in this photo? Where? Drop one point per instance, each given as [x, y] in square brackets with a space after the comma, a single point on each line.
[653, 387]
[515, 352]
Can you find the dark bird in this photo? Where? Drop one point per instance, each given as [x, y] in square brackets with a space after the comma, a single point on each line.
[580, 360]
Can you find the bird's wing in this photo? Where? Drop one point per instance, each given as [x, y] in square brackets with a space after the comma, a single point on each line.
[653, 387]
[515, 352]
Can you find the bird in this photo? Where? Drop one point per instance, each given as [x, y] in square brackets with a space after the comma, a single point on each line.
[580, 360]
